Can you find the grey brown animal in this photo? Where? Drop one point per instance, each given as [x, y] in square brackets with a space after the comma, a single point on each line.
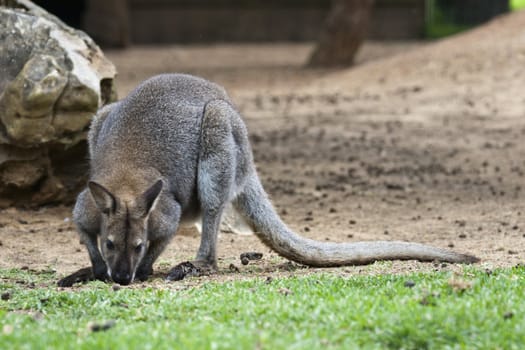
[176, 150]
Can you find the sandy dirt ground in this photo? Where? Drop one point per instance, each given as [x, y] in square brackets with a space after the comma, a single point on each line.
[417, 142]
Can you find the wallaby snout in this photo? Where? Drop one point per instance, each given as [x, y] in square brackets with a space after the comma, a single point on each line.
[121, 272]
[123, 229]
[122, 277]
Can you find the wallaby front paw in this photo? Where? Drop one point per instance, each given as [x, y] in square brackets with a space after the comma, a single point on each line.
[100, 273]
[205, 266]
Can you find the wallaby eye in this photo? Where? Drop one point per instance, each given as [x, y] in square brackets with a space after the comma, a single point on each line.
[139, 248]
[109, 245]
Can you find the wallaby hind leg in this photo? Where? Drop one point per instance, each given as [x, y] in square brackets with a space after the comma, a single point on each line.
[216, 177]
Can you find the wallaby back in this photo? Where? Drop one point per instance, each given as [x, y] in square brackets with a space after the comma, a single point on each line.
[153, 132]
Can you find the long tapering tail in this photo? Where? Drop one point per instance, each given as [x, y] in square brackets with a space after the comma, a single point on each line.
[253, 202]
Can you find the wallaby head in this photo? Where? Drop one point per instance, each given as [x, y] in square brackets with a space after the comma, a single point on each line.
[123, 232]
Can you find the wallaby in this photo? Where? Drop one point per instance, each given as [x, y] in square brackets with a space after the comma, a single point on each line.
[176, 150]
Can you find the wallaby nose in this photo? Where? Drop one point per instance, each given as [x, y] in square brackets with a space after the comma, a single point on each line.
[122, 278]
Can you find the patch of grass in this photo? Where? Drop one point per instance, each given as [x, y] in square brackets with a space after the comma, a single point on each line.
[417, 311]
[438, 24]
[516, 5]
[441, 30]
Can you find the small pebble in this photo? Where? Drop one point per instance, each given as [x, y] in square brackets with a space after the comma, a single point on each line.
[233, 268]
[409, 284]
[285, 291]
[252, 255]
[98, 327]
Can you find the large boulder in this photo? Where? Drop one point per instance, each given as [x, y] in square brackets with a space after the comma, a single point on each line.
[53, 79]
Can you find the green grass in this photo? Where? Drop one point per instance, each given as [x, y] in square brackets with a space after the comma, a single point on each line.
[516, 5]
[441, 30]
[483, 311]
[439, 25]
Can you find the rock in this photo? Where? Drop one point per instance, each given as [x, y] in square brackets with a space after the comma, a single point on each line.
[53, 79]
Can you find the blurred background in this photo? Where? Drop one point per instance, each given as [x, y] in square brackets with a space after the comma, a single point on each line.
[263, 43]
[124, 22]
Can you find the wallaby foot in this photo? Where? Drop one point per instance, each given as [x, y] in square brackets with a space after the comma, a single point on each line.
[204, 266]
[193, 268]
[81, 276]
[100, 272]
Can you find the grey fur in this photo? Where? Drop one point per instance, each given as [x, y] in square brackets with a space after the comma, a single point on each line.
[184, 131]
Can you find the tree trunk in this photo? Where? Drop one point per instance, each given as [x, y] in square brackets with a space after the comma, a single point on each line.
[343, 34]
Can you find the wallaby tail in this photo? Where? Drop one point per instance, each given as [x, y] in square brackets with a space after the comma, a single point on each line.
[253, 202]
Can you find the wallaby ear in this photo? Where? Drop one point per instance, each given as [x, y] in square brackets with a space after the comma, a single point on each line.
[148, 198]
[104, 200]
